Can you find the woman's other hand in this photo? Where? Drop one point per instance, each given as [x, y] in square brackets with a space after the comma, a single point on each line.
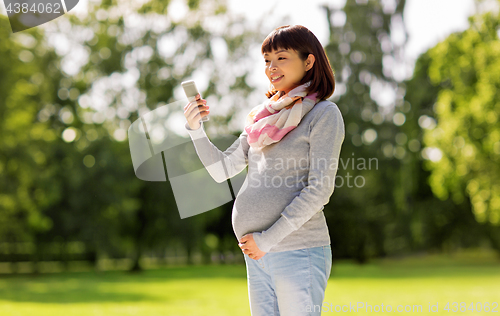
[249, 247]
[194, 111]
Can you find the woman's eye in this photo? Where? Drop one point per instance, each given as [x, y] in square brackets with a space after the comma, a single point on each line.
[281, 58]
[266, 61]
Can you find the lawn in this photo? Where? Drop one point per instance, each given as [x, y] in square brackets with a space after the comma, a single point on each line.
[222, 290]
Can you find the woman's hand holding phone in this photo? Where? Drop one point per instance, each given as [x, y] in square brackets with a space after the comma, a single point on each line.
[195, 110]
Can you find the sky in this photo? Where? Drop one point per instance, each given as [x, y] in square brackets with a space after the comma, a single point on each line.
[427, 27]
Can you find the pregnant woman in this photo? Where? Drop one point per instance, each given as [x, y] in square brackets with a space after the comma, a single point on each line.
[291, 144]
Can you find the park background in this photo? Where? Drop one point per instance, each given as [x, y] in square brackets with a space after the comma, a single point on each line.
[81, 235]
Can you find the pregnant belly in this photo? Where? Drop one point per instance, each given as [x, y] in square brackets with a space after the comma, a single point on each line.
[256, 209]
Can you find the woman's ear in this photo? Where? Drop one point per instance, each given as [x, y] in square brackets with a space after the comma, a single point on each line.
[309, 62]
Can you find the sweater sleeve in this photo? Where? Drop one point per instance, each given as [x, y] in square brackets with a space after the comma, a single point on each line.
[326, 138]
[221, 165]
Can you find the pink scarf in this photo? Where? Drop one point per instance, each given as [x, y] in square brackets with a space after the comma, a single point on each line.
[270, 121]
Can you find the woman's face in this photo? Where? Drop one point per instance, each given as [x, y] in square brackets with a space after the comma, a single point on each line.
[285, 69]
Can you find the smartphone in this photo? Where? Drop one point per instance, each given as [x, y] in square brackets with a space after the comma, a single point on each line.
[191, 92]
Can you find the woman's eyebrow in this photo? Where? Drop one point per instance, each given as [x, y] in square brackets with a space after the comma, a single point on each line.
[280, 51]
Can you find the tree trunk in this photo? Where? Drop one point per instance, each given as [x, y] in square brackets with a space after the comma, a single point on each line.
[139, 239]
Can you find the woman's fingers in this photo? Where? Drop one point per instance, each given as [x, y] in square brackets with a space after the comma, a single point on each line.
[202, 111]
[193, 104]
[251, 255]
[199, 105]
[192, 109]
[198, 100]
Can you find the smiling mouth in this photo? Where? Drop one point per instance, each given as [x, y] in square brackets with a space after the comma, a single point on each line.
[276, 78]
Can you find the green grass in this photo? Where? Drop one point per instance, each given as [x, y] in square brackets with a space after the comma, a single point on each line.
[222, 290]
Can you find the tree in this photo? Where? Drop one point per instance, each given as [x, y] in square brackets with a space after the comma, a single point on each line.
[366, 38]
[463, 150]
[23, 143]
[134, 61]
[67, 99]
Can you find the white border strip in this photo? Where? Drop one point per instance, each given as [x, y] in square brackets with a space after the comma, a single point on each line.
[64, 6]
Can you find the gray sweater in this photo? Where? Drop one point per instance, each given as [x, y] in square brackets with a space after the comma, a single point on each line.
[288, 183]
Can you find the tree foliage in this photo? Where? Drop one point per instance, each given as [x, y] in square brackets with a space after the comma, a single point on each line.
[464, 147]
[25, 191]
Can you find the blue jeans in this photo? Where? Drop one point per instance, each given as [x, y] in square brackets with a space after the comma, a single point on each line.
[289, 283]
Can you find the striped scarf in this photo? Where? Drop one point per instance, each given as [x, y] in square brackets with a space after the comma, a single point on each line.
[270, 121]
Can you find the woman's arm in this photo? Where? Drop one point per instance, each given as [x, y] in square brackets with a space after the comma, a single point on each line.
[220, 165]
[326, 138]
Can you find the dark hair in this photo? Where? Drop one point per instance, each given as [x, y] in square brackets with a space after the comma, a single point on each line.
[304, 42]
